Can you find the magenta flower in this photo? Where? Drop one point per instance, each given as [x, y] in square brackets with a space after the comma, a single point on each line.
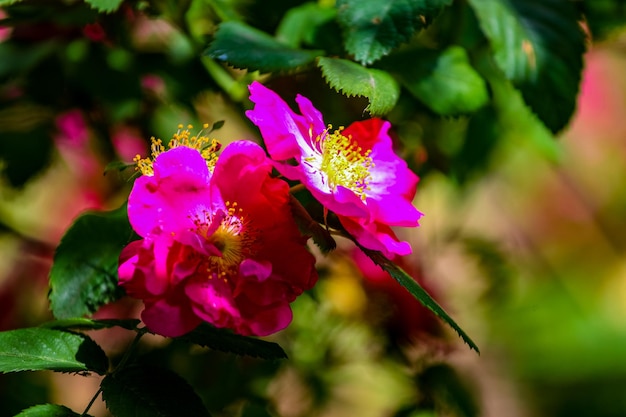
[219, 242]
[353, 172]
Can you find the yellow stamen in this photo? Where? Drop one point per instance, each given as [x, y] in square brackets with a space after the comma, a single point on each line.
[343, 161]
[207, 147]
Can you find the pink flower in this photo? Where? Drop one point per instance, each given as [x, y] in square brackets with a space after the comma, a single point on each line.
[219, 243]
[352, 172]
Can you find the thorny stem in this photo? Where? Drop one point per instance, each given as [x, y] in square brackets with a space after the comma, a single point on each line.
[125, 358]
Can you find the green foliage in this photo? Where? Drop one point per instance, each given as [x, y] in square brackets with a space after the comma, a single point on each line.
[351, 79]
[105, 6]
[33, 349]
[84, 273]
[82, 323]
[300, 24]
[372, 28]
[538, 44]
[142, 391]
[227, 341]
[245, 47]
[443, 80]
[418, 292]
[49, 410]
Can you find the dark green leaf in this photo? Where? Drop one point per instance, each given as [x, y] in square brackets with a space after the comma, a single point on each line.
[300, 23]
[417, 291]
[372, 28]
[140, 391]
[81, 323]
[443, 80]
[117, 166]
[37, 348]
[539, 45]
[106, 6]
[226, 341]
[352, 79]
[84, 273]
[216, 126]
[49, 410]
[245, 47]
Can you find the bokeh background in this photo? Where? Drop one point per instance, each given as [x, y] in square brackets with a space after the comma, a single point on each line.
[523, 240]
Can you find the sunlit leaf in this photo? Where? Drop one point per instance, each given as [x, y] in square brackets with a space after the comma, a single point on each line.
[352, 79]
[106, 6]
[539, 45]
[245, 47]
[38, 348]
[84, 272]
[443, 80]
[49, 410]
[372, 28]
[141, 391]
[226, 341]
[418, 292]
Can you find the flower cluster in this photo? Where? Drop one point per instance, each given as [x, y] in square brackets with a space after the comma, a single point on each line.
[219, 242]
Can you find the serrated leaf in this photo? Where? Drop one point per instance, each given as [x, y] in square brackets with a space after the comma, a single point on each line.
[245, 47]
[82, 323]
[372, 28]
[37, 348]
[49, 410]
[417, 291]
[226, 341]
[141, 391]
[443, 80]
[104, 6]
[539, 45]
[352, 79]
[84, 273]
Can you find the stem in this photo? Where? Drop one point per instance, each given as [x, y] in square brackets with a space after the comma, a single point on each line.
[91, 402]
[296, 188]
[129, 351]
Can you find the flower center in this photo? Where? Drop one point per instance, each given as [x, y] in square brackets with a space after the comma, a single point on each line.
[344, 162]
[233, 238]
[208, 148]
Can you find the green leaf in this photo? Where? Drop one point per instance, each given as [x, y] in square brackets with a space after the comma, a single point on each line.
[539, 45]
[117, 166]
[300, 23]
[49, 410]
[226, 341]
[372, 28]
[105, 6]
[245, 47]
[4, 3]
[81, 323]
[37, 348]
[84, 272]
[352, 79]
[141, 391]
[443, 80]
[417, 291]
